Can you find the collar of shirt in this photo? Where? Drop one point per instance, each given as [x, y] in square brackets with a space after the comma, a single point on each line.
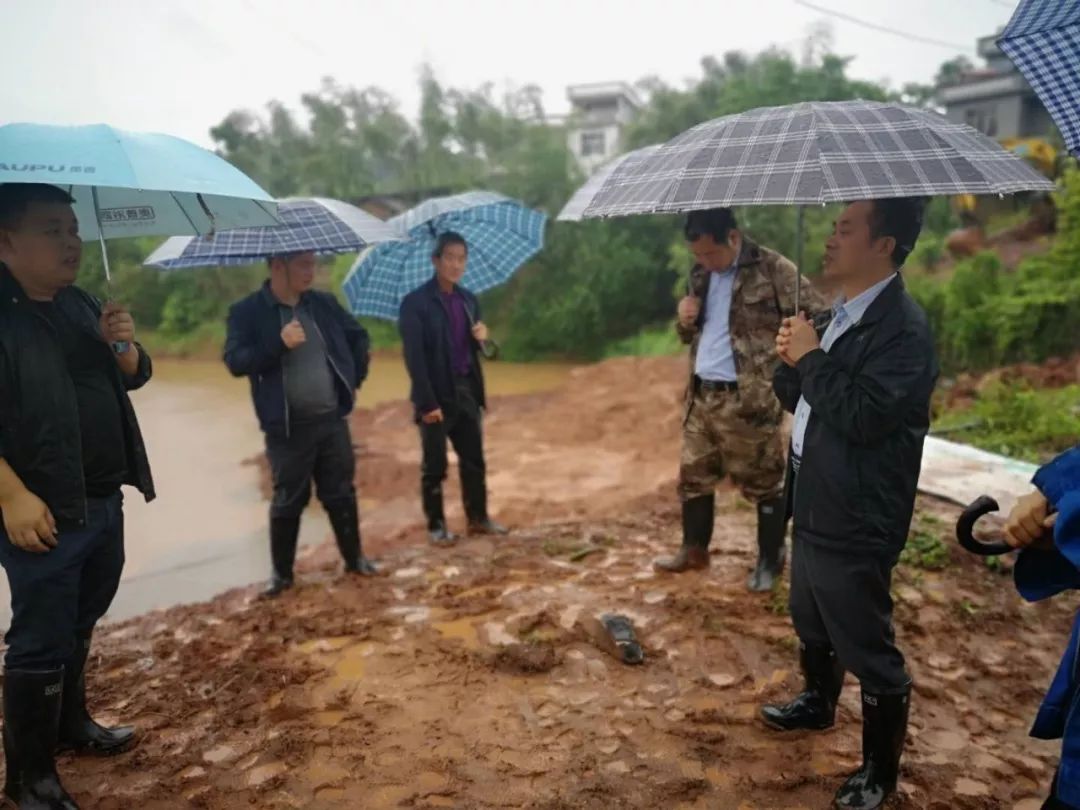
[854, 309]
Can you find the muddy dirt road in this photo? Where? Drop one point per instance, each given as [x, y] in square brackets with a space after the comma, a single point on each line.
[464, 678]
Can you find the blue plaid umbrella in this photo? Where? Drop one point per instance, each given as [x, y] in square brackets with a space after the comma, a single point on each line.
[320, 225]
[502, 235]
[1043, 41]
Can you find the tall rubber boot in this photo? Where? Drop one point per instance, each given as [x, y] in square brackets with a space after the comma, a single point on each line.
[78, 730]
[885, 720]
[814, 709]
[345, 521]
[698, 515]
[284, 535]
[31, 724]
[771, 534]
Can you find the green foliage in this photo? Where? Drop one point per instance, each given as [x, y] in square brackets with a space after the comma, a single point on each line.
[983, 316]
[1018, 422]
[654, 341]
[925, 548]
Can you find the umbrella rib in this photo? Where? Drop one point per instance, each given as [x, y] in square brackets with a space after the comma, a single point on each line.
[183, 211]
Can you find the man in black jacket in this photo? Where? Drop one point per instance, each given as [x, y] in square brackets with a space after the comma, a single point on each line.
[861, 398]
[305, 357]
[441, 331]
[68, 441]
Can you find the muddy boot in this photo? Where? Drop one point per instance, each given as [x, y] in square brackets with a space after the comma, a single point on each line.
[438, 533]
[771, 533]
[345, 520]
[815, 708]
[697, 523]
[487, 526]
[78, 730]
[284, 534]
[31, 721]
[885, 719]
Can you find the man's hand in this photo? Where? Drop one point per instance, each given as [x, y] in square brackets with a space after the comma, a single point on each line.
[480, 331]
[796, 338]
[1029, 524]
[689, 309]
[28, 522]
[117, 325]
[292, 334]
[432, 417]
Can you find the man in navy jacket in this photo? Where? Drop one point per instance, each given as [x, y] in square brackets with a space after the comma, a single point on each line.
[442, 332]
[305, 357]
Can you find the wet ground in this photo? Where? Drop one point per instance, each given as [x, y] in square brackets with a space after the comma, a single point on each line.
[468, 677]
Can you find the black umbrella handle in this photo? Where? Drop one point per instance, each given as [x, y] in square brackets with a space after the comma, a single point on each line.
[965, 527]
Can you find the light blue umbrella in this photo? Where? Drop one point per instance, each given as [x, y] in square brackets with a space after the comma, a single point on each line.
[315, 224]
[134, 184]
[502, 234]
[1043, 41]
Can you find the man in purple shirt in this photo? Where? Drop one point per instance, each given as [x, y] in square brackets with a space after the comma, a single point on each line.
[441, 332]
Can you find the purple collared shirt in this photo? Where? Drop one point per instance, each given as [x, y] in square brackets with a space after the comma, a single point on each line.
[460, 334]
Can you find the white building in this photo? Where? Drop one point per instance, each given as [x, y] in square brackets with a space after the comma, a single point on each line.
[599, 113]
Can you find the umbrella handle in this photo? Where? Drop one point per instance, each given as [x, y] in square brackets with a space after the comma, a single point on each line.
[489, 349]
[965, 526]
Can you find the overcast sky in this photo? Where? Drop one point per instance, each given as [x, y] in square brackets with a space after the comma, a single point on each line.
[180, 66]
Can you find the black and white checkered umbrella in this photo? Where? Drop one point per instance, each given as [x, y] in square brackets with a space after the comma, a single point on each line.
[583, 197]
[814, 153]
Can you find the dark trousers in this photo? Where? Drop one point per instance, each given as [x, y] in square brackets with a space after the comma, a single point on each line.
[57, 597]
[463, 428]
[1053, 802]
[842, 600]
[318, 450]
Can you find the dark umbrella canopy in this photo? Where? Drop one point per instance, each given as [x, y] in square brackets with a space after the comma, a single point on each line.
[811, 154]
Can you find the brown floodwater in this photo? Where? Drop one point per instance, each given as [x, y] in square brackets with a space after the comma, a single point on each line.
[206, 531]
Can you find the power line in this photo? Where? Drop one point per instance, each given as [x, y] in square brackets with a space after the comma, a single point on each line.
[881, 28]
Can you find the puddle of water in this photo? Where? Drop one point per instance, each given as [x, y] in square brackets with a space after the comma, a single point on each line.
[324, 645]
[463, 630]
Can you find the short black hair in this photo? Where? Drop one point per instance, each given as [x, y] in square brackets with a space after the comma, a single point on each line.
[902, 219]
[446, 239]
[715, 222]
[15, 198]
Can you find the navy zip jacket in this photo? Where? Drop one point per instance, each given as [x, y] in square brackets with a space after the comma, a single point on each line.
[254, 349]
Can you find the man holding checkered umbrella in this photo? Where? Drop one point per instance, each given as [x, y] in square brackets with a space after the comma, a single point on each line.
[858, 384]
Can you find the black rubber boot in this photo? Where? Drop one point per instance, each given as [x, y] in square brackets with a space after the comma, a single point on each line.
[885, 719]
[284, 535]
[814, 709]
[31, 722]
[345, 520]
[78, 730]
[432, 499]
[771, 534]
[698, 515]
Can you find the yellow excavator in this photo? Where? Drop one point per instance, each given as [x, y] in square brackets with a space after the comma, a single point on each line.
[975, 212]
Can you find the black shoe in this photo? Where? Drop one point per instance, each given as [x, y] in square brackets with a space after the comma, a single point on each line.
[885, 719]
[284, 535]
[771, 533]
[439, 535]
[345, 520]
[815, 708]
[32, 702]
[698, 515]
[78, 730]
[487, 526]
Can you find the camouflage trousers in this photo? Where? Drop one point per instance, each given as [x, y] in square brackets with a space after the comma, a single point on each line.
[723, 437]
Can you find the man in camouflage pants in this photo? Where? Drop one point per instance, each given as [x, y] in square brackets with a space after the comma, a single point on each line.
[739, 293]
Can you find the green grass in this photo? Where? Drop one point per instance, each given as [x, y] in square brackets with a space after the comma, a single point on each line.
[652, 341]
[207, 341]
[925, 549]
[1016, 421]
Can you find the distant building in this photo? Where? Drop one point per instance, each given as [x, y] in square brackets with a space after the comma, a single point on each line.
[599, 114]
[996, 100]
